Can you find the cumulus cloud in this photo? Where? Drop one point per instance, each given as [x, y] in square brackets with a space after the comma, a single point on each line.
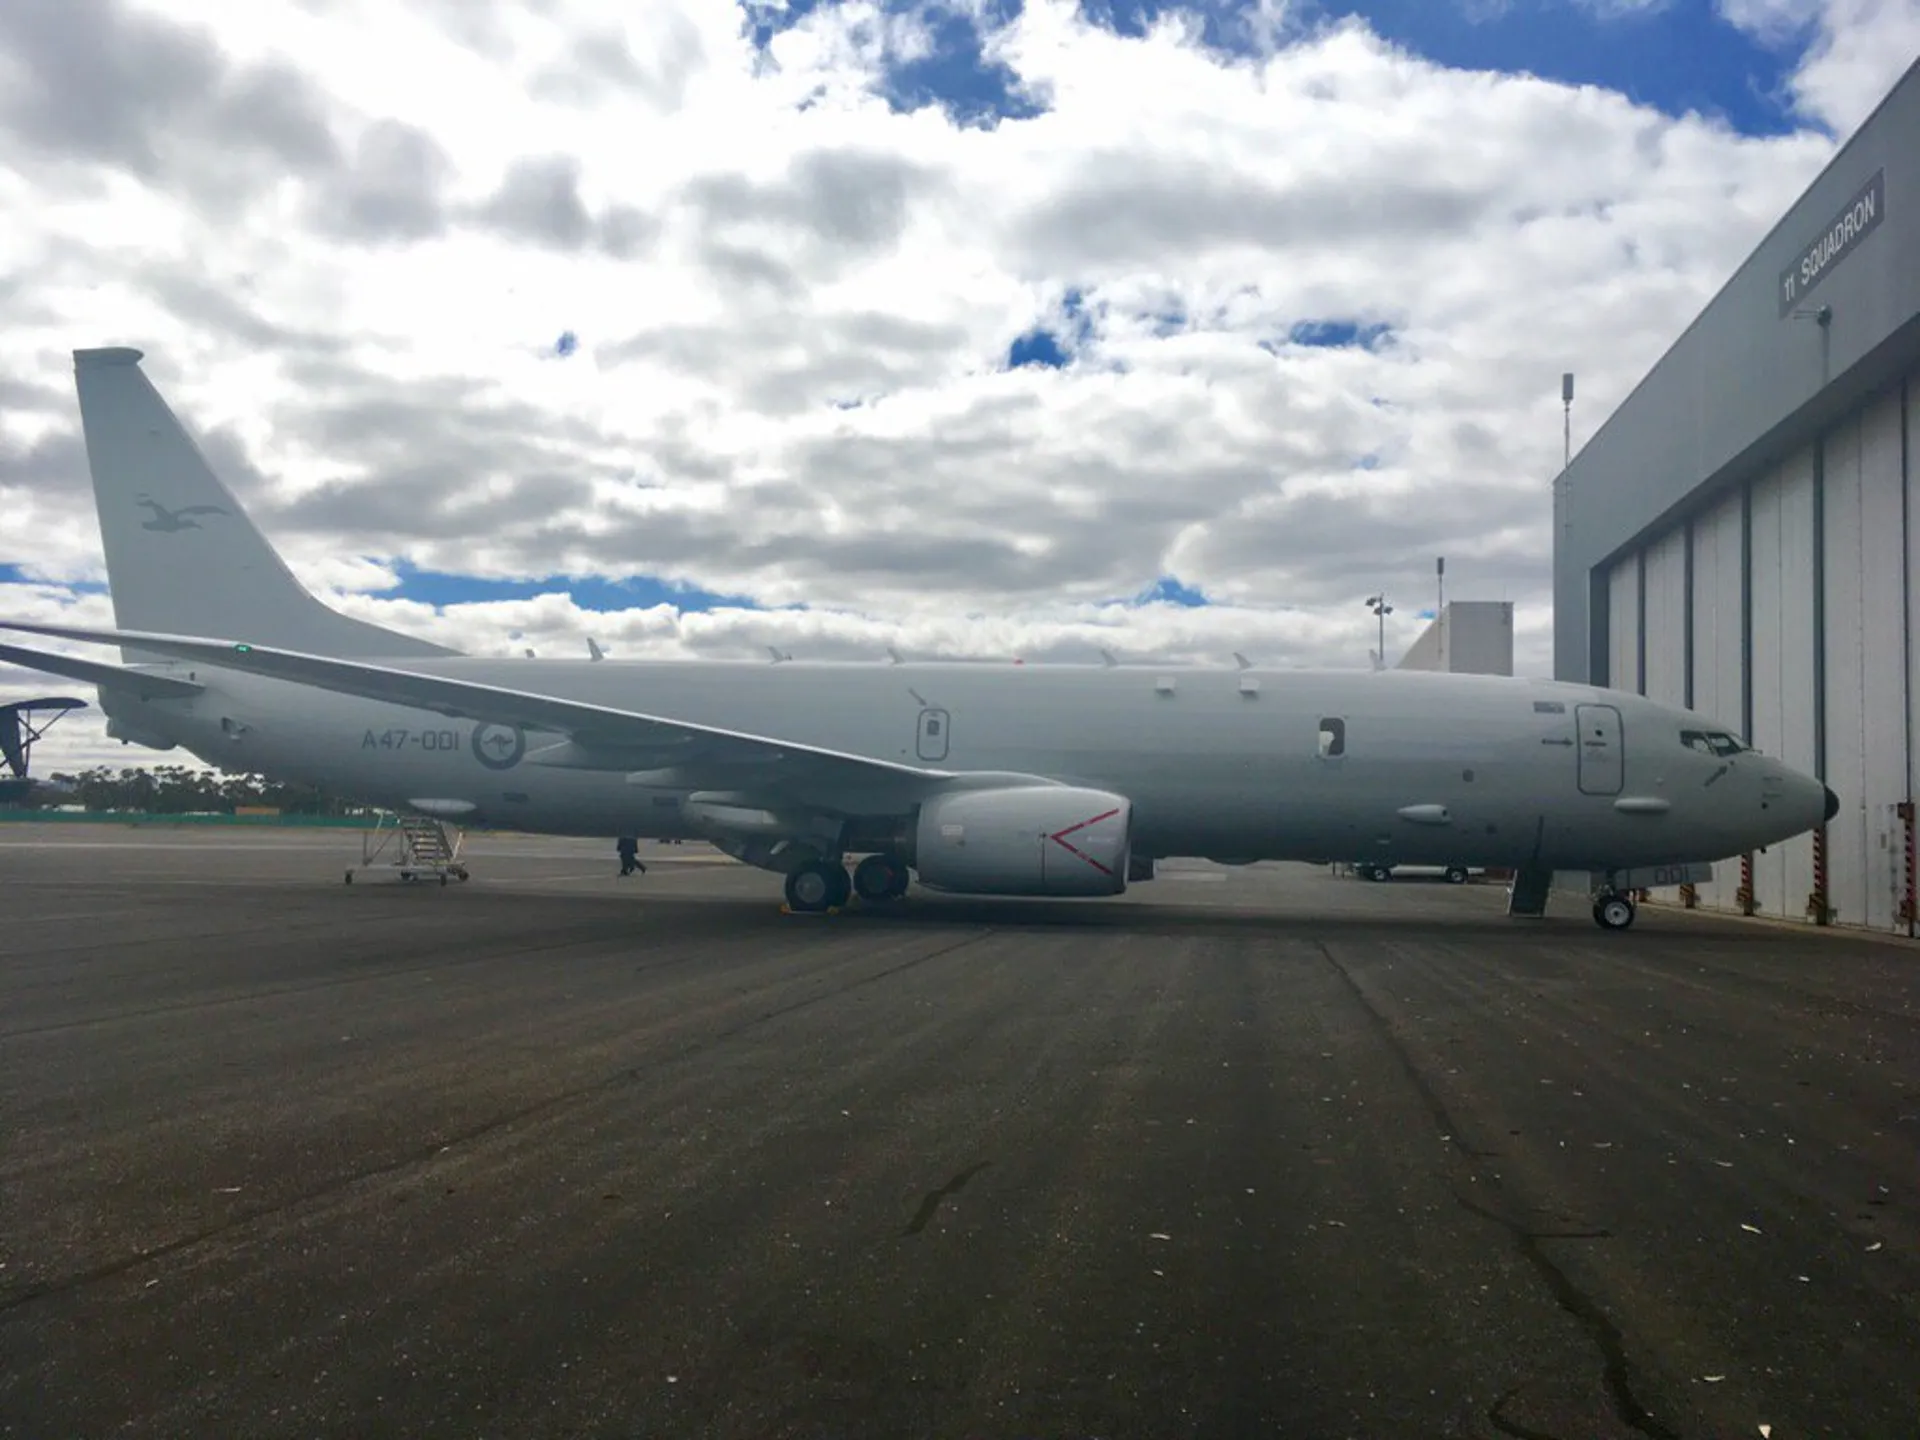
[1292, 303]
[1859, 49]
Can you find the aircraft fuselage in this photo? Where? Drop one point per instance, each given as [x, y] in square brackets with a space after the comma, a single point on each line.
[1233, 765]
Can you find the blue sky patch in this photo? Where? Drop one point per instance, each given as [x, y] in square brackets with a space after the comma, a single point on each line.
[1222, 26]
[957, 77]
[953, 74]
[1169, 590]
[589, 592]
[1339, 334]
[1036, 347]
[1053, 345]
[17, 575]
[1678, 57]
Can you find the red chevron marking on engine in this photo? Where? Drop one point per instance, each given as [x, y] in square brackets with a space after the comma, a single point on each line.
[1060, 838]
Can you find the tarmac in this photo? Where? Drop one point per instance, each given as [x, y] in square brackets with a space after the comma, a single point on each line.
[1252, 1151]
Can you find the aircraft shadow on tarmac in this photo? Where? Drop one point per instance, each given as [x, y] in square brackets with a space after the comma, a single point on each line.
[742, 915]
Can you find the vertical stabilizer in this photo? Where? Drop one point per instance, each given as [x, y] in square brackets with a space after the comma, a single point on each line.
[182, 556]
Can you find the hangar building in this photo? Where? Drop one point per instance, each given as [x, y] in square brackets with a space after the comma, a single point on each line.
[1743, 534]
[1467, 637]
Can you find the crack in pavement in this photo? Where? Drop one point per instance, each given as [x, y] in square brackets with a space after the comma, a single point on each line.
[1581, 1307]
[932, 1203]
[1570, 1298]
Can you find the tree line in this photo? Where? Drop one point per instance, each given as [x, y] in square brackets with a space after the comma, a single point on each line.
[182, 790]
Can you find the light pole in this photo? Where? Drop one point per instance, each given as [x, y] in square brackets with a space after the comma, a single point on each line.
[1381, 609]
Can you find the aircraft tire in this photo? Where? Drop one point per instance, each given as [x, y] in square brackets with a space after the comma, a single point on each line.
[1613, 912]
[1456, 874]
[879, 878]
[823, 885]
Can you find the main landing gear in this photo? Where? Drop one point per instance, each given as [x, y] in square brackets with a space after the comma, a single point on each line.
[818, 885]
[825, 885]
[880, 877]
[1613, 909]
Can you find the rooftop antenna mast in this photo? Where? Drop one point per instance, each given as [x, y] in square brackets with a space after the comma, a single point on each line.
[1566, 446]
[1566, 410]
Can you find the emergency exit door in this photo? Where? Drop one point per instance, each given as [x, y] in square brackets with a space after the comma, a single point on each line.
[1603, 761]
[932, 740]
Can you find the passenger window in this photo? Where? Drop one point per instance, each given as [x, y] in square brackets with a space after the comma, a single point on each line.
[1333, 739]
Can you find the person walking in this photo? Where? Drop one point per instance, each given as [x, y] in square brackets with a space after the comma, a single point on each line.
[630, 856]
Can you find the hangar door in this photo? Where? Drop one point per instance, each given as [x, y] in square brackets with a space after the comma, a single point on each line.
[1602, 750]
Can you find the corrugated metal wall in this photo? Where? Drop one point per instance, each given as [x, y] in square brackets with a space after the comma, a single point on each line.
[1717, 642]
[1856, 502]
[1783, 679]
[1666, 620]
[1623, 631]
[1664, 632]
[1865, 660]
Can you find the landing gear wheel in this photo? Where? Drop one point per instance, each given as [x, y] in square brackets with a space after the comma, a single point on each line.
[879, 878]
[823, 885]
[1614, 912]
[1456, 874]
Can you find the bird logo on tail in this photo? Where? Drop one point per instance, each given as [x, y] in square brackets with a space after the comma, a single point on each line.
[169, 522]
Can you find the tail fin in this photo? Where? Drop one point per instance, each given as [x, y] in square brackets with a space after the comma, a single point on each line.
[182, 556]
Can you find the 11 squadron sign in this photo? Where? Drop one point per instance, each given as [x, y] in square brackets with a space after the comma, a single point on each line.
[1836, 242]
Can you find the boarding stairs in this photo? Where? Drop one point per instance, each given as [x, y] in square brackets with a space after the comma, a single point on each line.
[415, 847]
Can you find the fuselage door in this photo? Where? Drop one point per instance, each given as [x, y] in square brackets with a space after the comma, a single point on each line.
[932, 741]
[1603, 755]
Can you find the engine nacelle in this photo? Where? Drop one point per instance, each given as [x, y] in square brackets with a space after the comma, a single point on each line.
[1047, 840]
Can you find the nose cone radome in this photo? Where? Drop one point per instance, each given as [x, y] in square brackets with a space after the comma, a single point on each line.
[1833, 803]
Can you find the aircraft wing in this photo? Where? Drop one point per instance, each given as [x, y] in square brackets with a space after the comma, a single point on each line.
[593, 728]
[120, 677]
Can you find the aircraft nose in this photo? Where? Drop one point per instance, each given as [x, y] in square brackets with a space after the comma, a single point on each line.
[1833, 803]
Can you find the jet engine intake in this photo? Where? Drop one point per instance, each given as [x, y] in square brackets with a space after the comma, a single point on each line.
[1047, 840]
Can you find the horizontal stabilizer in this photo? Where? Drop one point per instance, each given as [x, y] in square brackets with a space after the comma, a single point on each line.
[45, 702]
[142, 683]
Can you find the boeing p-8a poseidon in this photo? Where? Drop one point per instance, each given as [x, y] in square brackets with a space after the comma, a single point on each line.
[988, 780]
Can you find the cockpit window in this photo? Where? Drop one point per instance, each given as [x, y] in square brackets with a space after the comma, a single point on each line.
[1711, 742]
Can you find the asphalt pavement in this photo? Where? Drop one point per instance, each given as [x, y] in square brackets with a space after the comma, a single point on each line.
[1253, 1151]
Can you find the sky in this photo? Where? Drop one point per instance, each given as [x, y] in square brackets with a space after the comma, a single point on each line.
[971, 327]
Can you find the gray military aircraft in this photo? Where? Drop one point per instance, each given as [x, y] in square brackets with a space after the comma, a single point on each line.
[1031, 780]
